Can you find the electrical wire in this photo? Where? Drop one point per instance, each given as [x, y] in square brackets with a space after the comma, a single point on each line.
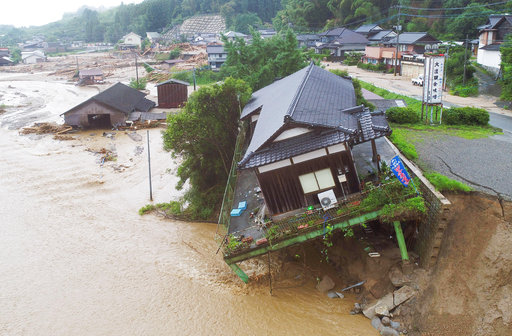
[453, 8]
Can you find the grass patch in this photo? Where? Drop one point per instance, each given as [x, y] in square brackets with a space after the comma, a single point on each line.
[443, 183]
[400, 138]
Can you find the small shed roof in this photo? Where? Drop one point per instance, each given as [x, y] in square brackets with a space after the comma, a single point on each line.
[175, 81]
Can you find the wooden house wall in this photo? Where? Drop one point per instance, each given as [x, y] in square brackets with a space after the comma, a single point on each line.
[79, 117]
[172, 95]
[282, 190]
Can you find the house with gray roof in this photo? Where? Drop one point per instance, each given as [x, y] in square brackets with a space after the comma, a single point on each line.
[368, 29]
[339, 41]
[491, 36]
[110, 108]
[414, 43]
[302, 130]
[216, 56]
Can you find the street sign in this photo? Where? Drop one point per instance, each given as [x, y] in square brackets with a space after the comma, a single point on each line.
[433, 79]
[397, 167]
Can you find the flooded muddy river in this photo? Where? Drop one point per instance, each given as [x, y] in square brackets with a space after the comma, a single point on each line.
[76, 258]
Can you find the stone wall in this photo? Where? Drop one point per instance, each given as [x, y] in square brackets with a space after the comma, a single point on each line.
[432, 227]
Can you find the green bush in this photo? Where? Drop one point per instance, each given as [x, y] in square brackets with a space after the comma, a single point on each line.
[443, 183]
[402, 115]
[139, 85]
[185, 76]
[341, 73]
[147, 208]
[352, 58]
[372, 67]
[465, 91]
[466, 116]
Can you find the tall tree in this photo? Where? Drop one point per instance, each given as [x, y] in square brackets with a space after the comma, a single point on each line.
[204, 134]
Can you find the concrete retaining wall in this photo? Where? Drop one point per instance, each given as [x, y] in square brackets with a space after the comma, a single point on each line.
[432, 227]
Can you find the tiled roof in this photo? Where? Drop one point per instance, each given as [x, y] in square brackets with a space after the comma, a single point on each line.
[215, 49]
[412, 37]
[313, 98]
[368, 28]
[382, 34]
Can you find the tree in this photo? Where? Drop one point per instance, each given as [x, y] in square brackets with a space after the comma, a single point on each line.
[506, 69]
[261, 62]
[203, 134]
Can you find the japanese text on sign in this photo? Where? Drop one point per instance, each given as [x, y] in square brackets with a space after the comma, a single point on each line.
[433, 83]
[397, 167]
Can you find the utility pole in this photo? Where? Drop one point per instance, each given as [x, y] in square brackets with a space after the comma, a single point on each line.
[137, 70]
[149, 166]
[194, 75]
[465, 57]
[397, 38]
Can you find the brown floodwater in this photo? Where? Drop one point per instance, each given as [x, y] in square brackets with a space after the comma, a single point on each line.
[77, 259]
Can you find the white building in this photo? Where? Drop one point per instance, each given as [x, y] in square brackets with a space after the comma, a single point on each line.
[132, 39]
[491, 36]
[33, 57]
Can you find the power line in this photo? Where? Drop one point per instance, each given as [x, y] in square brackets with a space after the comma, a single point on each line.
[454, 8]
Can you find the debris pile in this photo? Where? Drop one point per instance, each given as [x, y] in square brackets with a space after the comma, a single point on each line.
[49, 128]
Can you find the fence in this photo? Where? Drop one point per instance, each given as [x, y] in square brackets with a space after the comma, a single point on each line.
[229, 192]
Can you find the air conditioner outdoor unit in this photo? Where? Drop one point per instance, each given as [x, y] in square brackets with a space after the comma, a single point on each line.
[327, 199]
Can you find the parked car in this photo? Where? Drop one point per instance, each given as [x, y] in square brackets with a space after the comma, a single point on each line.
[418, 81]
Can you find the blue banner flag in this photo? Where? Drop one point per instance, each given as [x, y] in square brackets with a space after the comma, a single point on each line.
[397, 167]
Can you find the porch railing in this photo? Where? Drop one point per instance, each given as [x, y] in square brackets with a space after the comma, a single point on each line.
[309, 220]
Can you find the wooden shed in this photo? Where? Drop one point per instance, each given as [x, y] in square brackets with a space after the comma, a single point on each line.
[172, 93]
[110, 108]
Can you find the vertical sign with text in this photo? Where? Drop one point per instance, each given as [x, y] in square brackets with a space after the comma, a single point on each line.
[397, 167]
[433, 79]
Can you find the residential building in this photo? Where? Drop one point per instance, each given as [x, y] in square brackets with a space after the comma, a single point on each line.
[216, 56]
[302, 130]
[153, 37]
[131, 40]
[339, 41]
[32, 57]
[414, 43]
[491, 36]
[368, 30]
[231, 36]
[308, 40]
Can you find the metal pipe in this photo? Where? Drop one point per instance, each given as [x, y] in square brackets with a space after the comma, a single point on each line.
[401, 240]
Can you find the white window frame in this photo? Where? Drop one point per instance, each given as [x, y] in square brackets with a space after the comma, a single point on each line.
[323, 179]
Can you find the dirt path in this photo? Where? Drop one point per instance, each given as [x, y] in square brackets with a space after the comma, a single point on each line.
[402, 85]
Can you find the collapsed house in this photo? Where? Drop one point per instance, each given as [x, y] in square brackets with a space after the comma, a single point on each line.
[110, 108]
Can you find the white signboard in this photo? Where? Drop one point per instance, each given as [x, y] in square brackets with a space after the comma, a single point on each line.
[433, 79]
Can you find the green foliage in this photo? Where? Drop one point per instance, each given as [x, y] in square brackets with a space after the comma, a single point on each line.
[15, 55]
[466, 116]
[399, 138]
[147, 208]
[148, 68]
[455, 72]
[264, 60]
[352, 58]
[244, 22]
[203, 134]
[232, 243]
[139, 85]
[402, 115]
[506, 69]
[341, 73]
[172, 208]
[379, 67]
[175, 53]
[465, 90]
[443, 183]
[395, 201]
[272, 233]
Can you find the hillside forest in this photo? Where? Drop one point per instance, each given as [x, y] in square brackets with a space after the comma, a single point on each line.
[447, 19]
